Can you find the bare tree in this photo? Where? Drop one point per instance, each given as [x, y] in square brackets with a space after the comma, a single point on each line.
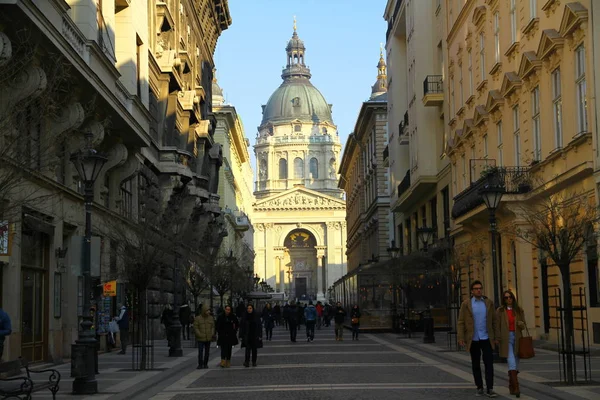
[560, 225]
[196, 280]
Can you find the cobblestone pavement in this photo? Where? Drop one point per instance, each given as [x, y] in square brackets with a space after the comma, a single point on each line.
[379, 366]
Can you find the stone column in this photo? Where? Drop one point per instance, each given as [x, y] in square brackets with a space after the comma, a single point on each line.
[320, 270]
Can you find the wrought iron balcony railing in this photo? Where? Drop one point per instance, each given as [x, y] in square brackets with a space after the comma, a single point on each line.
[404, 185]
[433, 84]
[515, 180]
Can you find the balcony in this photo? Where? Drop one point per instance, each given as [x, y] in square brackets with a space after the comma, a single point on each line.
[404, 185]
[239, 219]
[516, 180]
[411, 192]
[433, 91]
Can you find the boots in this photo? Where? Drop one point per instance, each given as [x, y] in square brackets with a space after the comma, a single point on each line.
[227, 363]
[223, 363]
[514, 385]
[511, 383]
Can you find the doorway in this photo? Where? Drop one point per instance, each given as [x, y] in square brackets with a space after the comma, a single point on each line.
[301, 287]
[34, 300]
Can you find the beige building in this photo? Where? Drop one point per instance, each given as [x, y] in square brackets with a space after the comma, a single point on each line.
[364, 178]
[518, 88]
[134, 82]
[299, 214]
[419, 167]
[235, 181]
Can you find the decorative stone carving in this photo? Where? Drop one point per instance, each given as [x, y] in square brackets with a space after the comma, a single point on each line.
[300, 200]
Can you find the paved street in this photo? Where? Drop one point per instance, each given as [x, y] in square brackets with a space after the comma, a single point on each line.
[379, 366]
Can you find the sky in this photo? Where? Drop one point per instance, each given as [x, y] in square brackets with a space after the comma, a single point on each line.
[342, 39]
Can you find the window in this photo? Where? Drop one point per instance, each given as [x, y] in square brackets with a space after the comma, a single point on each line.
[298, 168]
[482, 55]
[127, 198]
[282, 168]
[513, 21]
[557, 108]
[297, 128]
[535, 119]
[462, 98]
[533, 8]
[433, 208]
[472, 177]
[452, 102]
[517, 135]
[497, 36]
[485, 146]
[470, 73]
[581, 89]
[463, 161]
[314, 168]
[500, 153]
[455, 178]
[138, 57]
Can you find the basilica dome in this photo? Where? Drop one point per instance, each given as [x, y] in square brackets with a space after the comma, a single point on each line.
[296, 98]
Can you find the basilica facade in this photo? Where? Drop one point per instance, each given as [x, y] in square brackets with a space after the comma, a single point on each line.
[299, 213]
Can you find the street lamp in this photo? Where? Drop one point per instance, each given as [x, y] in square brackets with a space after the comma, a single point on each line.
[394, 253]
[256, 280]
[492, 195]
[175, 349]
[425, 235]
[88, 164]
[249, 273]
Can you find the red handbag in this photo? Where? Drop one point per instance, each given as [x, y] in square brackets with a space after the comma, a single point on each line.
[526, 349]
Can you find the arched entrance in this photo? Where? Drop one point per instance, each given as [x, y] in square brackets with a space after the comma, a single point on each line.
[302, 264]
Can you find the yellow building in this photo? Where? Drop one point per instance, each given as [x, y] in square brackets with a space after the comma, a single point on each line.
[518, 74]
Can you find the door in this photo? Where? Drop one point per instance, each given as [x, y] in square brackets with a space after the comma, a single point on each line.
[301, 288]
[34, 301]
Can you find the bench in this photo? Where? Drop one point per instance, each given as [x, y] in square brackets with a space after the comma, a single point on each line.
[21, 387]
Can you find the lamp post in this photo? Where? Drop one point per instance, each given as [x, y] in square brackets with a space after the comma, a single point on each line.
[249, 273]
[256, 280]
[492, 195]
[425, 235]
[394, 253]
[175, 327]
[88, 164]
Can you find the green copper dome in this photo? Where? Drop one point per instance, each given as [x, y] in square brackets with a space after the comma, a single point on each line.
[296, 98]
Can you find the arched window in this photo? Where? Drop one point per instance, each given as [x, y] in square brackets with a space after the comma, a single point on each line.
[298, 168]
[314, 168]
[282, 168]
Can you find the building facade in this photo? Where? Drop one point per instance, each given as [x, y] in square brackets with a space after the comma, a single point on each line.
[235, 182]
[520, 105]
[134, 82]
[299, 214]
[419, 167]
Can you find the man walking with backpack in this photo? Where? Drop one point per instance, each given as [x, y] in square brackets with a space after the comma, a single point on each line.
[310, 314]
[293, 321]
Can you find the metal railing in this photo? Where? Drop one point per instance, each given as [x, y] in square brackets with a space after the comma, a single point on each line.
[404, 185]
[433, 84]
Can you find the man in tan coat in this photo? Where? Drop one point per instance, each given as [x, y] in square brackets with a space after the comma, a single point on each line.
[204, 330]
[478, 330]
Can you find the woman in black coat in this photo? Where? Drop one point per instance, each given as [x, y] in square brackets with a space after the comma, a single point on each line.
[251, 334]
[355, 320]
[227, 325]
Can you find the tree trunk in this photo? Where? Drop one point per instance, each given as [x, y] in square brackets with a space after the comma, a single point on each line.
[221, 295]
[568, 345]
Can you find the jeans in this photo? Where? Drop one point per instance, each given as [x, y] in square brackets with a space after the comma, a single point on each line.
[254, 352]
[226, 352]
[185, 329]
[339, 330]
[124, 335]
[269, 332]
[354, 331]
[293, 331]
[203, 347]
[512, 359]
[485, 347]
[310, 329]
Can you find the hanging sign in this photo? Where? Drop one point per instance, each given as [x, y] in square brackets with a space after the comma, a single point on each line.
[109, 289]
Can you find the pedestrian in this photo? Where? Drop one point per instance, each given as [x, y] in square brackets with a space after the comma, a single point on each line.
[240, 310]
[204, 330]
[167, 320]
[286, 315]
[478, 331]
[227, 326]
[123, 323]
[355, 321]
[338, 318]
[184, 319]
[326, 314]
[511, 320]
[5, 329]
[277, 313]
[310, 315]
[293, 320]
[299, 314]
[251, 335]
[319, 308]
[268, 317]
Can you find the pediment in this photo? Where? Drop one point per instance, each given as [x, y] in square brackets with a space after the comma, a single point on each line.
[480, 115]
[458, 134]
[494, 100]
[300, 199]
[510, 83]
[529, 64]
[550, 41]
[478, 15]
[574, 15]
[468, 127]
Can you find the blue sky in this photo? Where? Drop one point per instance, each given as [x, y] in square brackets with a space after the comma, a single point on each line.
[342, 40]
